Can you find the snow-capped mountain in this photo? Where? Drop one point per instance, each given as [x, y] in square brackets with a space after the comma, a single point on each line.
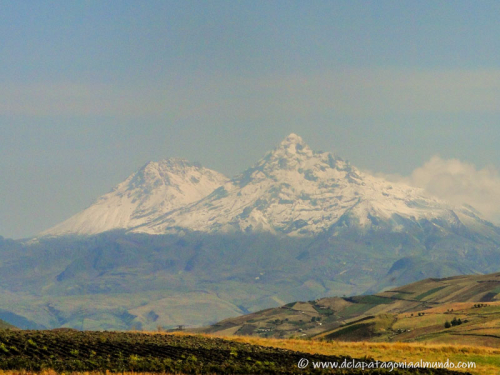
[296, 191]
[157, 188]
[324, 228]
[293, 191]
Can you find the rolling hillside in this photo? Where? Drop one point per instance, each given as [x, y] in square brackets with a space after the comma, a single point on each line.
[412, 313]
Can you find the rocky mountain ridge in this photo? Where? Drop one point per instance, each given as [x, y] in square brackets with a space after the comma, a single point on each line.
[292, 191]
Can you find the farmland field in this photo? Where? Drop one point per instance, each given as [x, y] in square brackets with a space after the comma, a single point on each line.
[75, 351]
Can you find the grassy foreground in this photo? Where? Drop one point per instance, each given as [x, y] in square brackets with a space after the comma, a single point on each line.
[52, 372]
[72, 351]
[487, 359]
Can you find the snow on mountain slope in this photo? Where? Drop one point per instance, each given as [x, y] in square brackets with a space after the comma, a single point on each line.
[157, 188]
[292, 190]
[296, 191]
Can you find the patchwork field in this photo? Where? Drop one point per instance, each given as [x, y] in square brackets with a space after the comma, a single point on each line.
[456, 310]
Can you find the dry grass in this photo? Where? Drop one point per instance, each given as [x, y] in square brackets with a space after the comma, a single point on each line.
[487, 359]
[52, 372]
[408, 347]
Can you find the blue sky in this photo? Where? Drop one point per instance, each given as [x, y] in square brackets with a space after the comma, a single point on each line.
[92, 90]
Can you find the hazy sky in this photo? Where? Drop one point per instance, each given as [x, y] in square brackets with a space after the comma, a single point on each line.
[92, 90]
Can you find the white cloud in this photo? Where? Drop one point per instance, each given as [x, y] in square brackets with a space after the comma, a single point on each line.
[460, 182]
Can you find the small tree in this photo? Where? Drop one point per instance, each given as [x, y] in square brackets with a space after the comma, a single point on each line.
[447, 324]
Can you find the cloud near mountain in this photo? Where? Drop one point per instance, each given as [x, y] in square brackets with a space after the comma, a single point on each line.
[458, 182]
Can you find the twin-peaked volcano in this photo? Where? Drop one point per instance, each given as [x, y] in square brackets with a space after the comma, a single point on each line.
[298, 225]
[291, 191]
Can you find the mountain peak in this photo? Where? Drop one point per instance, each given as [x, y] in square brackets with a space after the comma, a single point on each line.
[171, 171]
[291, 146]
[171, 164]
[292, 154]
[155, 189]
[293, 138]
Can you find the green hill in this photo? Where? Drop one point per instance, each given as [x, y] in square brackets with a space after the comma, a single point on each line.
[414, 312]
